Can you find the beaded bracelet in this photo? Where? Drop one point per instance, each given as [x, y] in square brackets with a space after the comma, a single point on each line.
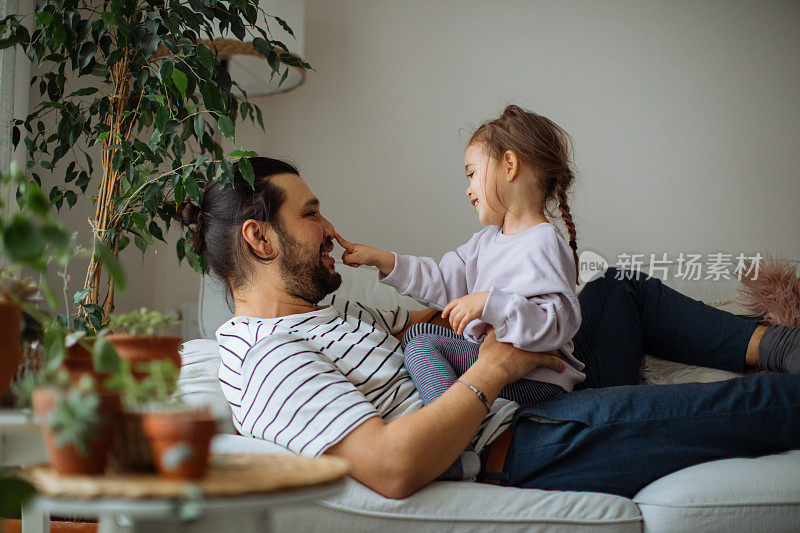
[480, 394]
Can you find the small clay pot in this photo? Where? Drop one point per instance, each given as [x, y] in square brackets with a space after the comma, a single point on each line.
[78, 362]
[139, 349]
[180, 441]
[11, 345]
[67, 460]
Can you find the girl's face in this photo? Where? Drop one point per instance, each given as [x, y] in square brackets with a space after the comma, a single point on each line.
[481, 171]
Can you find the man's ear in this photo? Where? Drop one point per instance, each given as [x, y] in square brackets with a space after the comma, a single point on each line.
[255, 234]
[510, 165]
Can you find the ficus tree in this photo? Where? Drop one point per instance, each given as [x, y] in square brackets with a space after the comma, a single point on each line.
[140, 87]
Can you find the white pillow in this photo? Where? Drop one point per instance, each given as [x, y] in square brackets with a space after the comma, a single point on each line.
[198, 383]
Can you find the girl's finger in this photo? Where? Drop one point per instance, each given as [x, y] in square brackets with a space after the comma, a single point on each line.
[343, 243]
[449, 307]
[463, 324]
[455, 317]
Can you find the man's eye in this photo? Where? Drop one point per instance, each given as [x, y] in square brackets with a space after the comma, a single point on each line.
[312, 213]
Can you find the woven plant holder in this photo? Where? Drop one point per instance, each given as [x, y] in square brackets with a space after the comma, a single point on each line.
[231, 47]
[130, 449]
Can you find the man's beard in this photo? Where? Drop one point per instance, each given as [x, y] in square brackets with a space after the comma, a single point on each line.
[303, 273]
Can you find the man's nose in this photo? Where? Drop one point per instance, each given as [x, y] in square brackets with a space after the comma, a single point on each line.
[328, 228]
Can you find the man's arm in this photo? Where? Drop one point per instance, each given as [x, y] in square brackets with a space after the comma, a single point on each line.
[415, 317]
[398, 458]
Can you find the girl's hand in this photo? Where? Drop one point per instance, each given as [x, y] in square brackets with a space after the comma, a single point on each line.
[356, 255]
[464, 310]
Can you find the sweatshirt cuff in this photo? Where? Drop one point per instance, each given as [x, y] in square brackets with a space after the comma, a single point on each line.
[400, 277]
[495, 311]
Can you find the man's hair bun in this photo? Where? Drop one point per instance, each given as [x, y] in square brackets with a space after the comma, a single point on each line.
[192, 219]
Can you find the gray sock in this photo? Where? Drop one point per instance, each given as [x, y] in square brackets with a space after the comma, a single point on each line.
[779, 349]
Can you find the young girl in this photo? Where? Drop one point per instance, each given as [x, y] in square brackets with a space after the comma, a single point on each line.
[517, 275]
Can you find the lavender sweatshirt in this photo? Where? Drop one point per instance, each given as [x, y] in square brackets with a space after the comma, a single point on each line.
[530, 277]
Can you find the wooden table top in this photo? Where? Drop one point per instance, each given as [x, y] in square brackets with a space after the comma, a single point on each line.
[228, 475]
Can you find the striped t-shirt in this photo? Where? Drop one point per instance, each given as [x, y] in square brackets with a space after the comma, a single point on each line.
[305, 381]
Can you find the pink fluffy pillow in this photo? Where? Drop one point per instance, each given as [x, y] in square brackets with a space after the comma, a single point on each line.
[774, 294]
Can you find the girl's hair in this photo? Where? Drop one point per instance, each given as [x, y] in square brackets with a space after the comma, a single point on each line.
[216, 225]
[541, 144]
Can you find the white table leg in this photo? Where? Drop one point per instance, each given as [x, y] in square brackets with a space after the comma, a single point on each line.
[34, 519]
[107, 523]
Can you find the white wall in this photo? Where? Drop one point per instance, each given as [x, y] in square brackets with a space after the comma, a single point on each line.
[685, 118]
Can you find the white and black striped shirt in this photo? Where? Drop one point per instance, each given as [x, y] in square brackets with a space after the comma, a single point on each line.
[305, 381]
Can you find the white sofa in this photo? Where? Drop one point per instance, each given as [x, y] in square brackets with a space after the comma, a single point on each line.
[761, 494]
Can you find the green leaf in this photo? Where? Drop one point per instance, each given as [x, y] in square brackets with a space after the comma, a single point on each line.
[211, 98]
[155, 231]
[80, 296]
[262, 47]
[44, 18]
[206, 57]
[86, 91]
[104, 356]
[192, 189]
[226, 127]
[181, 81]
[285, 26]
[283, 78]
[246, 168]
[22, 241]
[109, 18]
[165, 71]
[199, 125]
[111, 263]
[36, 201]
[15, 492]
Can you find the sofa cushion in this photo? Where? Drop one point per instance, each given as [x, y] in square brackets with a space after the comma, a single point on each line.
[444, 506]
[759, 494]
[198, 383]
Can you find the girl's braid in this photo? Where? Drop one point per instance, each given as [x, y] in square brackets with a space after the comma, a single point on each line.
[566, 216]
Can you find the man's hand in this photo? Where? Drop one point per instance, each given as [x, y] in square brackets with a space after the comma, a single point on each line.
[464, 310]
[511, 362]
[356, 255]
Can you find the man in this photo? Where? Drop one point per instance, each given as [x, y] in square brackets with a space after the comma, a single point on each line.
[331, 380]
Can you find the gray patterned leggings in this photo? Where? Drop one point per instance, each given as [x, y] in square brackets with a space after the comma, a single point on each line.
[435, 356]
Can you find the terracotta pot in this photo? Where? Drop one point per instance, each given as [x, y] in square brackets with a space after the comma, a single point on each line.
[140, 349]
[67, 460]
[78, 363]
[11, 345]
[180, 434]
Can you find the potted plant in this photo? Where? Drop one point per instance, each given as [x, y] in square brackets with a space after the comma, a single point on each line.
[29, 238]
[77, 424]
[179, 434]
[140, 337]
[77, 418]
[141, 86]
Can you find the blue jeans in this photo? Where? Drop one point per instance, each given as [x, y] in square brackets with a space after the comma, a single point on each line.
[615, 436]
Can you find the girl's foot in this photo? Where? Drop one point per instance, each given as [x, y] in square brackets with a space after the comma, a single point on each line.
[779, 349]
